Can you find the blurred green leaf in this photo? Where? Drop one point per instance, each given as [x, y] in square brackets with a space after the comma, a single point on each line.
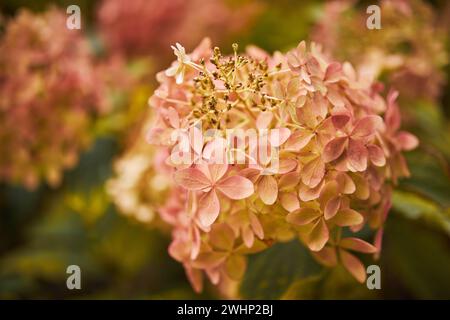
[415, 261]
[430, 125]
[335, 283]
[271, 272]
[303, 289]
[429, 177]
[415, 207]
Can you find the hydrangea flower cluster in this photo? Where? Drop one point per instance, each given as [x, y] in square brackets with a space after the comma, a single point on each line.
[339, 149]
[165, 22]
[50, 94]
[409, 50]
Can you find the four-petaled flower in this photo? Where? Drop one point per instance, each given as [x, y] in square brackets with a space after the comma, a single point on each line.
[208, 179]
[355, 143]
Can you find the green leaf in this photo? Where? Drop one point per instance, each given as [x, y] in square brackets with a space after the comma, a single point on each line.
[413, 206]
[415, 261]
[303, 289]
[335, 283]
[429, 177]
[271, 272]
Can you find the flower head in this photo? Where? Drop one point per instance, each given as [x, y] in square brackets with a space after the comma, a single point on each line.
[319, 154]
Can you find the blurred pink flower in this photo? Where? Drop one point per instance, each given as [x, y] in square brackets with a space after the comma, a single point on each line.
[142, 27]
[409, 50]
[51, 93]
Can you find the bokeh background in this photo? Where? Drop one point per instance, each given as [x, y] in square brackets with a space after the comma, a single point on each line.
[77, 187]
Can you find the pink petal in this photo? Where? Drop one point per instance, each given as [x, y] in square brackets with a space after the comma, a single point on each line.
[195, 277]
[256, 225]
[300, 102]
[319, 236]
[332, 207]
[236, 187]
[196, 139]
[298, 140]
[268, 189]
[346, 184]
[293, 87]
[178, 250]
[376, 155]
[279, 136]
[286, 165]
[334, 149]
[320, 106]
[196, 242]
[333, 72]
[289, 201]
[348, 217]
[356, 244]
[353, 265]
[366, 126]
[278, 90]
[192, 179]
[250, 173]
[313, 172]
[292, 60]
[203, 49]
[304, 75]
[357, 155]
[340, 120]
[306, 193]
[335, 97]
[217, 171]
[213, 275]
[264, 119]
[303, 216]
[327, 256]
[208, 208]
[173, 117]
[215, 152]
[329, 191]
[172, 71]
[407, 141]
[393, 118]
[159, 136]
[210, 259]
[362, 187]
[248, 236]
[314, 68]
[378, 242]
[289, 180]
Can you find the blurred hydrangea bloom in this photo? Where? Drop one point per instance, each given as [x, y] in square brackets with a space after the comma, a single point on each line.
[50, 94]
[149, 26]
[408, 51]
[142, 180]
[340, 150]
